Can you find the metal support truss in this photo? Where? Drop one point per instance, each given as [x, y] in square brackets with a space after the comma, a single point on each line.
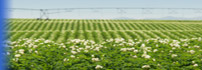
[43, 14]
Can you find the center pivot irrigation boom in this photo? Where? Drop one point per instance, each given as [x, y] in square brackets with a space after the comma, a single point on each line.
[45, 13]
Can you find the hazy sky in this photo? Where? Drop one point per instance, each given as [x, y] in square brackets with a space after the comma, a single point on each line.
[48, 4]
[105, 3]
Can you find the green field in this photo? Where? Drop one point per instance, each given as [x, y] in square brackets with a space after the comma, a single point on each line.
[60, 30]
[108, 45]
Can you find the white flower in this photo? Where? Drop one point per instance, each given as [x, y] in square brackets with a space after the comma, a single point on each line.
[135, 51]
[36, 52]
[130, 44]
[97, 49]
[64, 46]
[185, 44]
[73, 52]
[80, 48]
[85, 50]
[66, 59]
[154, 59]
[119, 40]
[21, 51]
[47, 41]
[192, 51]
[95, 59]
[72, 56]
[98, 67]
[87, 47]
[143, 45]
[37, 40]
[17, 55]
[175, 62]
[196, 46]
[128, 49]
[92, 56]
[30, 50]
[155, 50]
[123, 49]
[174, 55]
[157, 45]
[15, 59]
[146, 56]
[195, 65]
[134, 56]
[34, 46]
[146, 66]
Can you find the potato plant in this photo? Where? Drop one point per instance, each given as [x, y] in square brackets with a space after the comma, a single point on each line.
[111, 54]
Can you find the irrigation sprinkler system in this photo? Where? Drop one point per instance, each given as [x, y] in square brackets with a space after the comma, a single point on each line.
[45, 13]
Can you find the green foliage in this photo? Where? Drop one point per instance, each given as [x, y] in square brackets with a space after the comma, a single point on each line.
[105, 44]
[79, 29]
[26, 54]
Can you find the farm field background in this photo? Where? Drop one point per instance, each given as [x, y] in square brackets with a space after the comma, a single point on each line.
[60, 30]
[58, 44]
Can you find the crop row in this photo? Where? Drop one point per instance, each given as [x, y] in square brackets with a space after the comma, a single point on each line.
[99, 30]
[102, 35]
[101, 26]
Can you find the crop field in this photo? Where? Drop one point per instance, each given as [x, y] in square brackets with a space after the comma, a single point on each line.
[68, 44]
[99, 30]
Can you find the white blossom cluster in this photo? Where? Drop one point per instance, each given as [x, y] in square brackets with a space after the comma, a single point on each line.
[137, 49]
[98, 67]
[84, 46]
[146, 66]
[145, 50]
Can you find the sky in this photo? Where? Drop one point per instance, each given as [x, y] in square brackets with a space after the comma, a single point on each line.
[49, 4]
[105, 3]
